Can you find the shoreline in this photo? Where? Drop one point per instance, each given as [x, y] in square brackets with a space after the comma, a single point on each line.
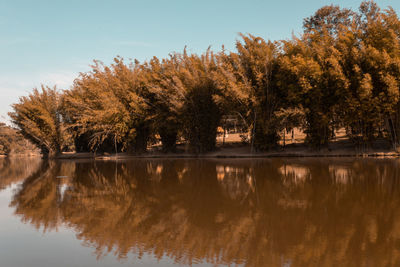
[226, 153]
[232, 152]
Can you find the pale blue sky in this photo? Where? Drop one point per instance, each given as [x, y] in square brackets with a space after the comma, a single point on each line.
[50, 42]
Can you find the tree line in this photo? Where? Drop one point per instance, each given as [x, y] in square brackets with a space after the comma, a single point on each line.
[343, 71]
[13, 143]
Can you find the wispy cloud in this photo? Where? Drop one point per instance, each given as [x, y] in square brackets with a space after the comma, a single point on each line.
[14, 86]
[24, 83]
[17, 40]
[14, 41]
[134, 43]
[62, 79]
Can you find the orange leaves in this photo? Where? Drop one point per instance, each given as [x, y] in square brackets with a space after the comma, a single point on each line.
[107, 102]
[38, 116]
[344, 71]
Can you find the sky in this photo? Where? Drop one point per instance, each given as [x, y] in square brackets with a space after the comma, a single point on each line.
[51, 41]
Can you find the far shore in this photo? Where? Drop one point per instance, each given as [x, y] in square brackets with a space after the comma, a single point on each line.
[342, 147]
[244, 152]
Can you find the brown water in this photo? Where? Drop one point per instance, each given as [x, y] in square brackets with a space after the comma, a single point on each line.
[272, 212]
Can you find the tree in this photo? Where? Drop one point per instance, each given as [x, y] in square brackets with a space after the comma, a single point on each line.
[106, 105]
[5, 146]
[290, 118]
[250, 80]
[329, 20]
[38, 117]
[12, 142]
[369, 58]
[166, 98]
[314, 76]
[196, 98]
[379, 33]
[201, 110]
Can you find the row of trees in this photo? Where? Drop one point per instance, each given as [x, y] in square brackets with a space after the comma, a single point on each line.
[13, 143]
[343, 71]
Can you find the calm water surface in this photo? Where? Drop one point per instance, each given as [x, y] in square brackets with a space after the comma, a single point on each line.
[272, 212]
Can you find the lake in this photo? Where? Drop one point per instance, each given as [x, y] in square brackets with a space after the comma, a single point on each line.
[200, 212]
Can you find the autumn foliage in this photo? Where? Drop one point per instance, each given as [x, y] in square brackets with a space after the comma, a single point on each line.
[342, 72]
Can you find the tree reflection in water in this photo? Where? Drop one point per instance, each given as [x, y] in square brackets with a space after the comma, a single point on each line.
[299, 212]
[16, 169]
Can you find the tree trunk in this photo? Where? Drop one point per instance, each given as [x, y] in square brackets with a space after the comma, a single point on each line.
[284, 138]
[52, 153]
[292, 136]
[254, 132]
[168, 140]
[139, 143]
[115, 144]
[223, 139]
